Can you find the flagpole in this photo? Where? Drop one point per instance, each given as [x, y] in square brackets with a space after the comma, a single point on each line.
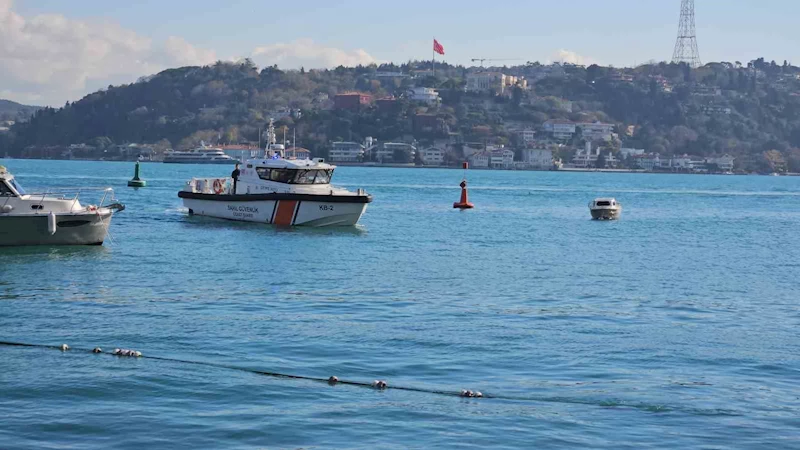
[433, 58]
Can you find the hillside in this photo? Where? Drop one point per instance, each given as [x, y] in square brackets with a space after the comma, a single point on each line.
[749, 111]
[15, 111]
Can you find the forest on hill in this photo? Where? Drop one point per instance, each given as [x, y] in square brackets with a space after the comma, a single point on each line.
[13, 111]
[750, 111]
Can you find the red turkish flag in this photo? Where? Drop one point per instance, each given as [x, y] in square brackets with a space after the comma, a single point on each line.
[437, 47]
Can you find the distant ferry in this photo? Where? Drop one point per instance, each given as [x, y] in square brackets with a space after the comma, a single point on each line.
[200, 155]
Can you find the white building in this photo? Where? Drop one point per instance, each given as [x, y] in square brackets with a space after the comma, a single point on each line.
[425, 95]
[562, 130]
[479, 160]
[527, 136]
[494, 82]
[538, 158]
[384, 152]
[432, 156]
[724, 162]
[588, 158]
[502, 158]
[346, 152]
[680, 163]
[648, 161]
[625, 152]
[596, 131]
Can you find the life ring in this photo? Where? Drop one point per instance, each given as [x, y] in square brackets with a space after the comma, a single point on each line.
[218, 186]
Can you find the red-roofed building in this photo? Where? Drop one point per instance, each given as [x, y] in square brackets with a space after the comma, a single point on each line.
[298, 153]
[352, 101]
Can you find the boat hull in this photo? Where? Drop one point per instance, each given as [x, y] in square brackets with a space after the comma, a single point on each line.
[280, 209]
[71, 229]
[605, 214]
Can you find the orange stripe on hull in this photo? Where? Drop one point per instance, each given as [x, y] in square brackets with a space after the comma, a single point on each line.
[285, 212]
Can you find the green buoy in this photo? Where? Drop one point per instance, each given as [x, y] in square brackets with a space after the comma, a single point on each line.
[136, 182]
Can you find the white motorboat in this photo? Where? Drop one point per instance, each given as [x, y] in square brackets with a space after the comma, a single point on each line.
[55, 217]
[605, 209]
[200, 155]
[277, 191]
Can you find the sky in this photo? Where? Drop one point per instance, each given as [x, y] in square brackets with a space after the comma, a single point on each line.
[54, 51]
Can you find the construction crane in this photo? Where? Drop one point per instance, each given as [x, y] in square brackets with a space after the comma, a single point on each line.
[492, 59]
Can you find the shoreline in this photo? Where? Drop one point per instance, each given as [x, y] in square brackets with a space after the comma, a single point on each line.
[413, 166]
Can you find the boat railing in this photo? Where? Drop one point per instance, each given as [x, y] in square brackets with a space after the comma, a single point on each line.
[68, 193]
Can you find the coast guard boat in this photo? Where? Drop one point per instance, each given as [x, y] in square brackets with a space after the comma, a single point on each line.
[605, 209]
[277, 191]
[51, 218]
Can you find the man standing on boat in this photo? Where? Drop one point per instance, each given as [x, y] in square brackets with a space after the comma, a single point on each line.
[235, 176]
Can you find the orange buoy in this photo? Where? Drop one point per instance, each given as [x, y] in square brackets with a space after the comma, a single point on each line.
[464, 202]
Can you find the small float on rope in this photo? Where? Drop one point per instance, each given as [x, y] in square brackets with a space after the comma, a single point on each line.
[464, 202]
[136, 181]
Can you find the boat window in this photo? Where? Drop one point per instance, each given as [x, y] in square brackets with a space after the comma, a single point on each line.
[604, 203]
[281, 175]
[295, 176]
[16, 186]
[5, 191]
[305, 177]
[323, 176]
[278, 175]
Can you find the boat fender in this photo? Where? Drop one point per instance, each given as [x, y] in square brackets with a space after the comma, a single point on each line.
[126, 352]
[470, 394]
[51, 223]
[218, 186]
[6, 209]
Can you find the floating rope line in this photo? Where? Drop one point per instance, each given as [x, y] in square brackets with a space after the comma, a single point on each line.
[333, 380]
[383, 385]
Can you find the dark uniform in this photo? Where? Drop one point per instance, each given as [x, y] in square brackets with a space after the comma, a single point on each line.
[235, 176]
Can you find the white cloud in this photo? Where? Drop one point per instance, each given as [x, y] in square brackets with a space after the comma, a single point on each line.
[568, 56]
[49, 59]
[307, 53]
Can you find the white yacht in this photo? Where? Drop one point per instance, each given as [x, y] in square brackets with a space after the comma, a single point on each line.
[55, 217]
[605, 209]
[277, 191]
[199, 155]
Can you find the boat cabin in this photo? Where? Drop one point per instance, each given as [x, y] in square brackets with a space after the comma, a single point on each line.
[604, 203]
[285, 175]
[8, 186]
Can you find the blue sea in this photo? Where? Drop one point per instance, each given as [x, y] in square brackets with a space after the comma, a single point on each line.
[674, 327]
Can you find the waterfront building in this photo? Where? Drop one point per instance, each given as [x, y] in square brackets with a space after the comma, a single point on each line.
[298, 153]
[648, 161]
[479, 160]
[539, 158]
[432, 156]
[724, 162]
[501, 158]
[346, 152]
